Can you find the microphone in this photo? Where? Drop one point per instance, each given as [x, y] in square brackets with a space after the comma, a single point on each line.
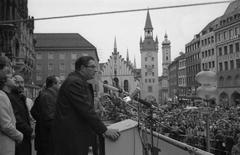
[112, 88]
[134, 96]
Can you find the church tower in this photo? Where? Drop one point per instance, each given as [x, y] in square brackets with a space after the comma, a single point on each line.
[166, 55]
[149, 63]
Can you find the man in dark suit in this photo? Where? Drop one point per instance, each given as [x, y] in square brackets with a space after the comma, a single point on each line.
[44, 114]
[18, 101]
[76, 122]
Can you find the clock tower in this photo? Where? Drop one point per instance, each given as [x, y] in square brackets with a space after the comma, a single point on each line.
[149, 63]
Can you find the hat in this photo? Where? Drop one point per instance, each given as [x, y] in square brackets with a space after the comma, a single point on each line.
[4, 60]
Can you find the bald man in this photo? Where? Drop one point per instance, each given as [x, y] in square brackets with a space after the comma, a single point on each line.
[18, 101]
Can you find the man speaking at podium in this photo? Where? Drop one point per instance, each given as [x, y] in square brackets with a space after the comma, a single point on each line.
[76, 123]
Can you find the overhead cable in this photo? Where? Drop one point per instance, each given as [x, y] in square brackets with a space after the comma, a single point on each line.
[114, 12]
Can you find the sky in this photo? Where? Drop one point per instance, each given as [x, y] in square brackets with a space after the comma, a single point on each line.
[181, 24]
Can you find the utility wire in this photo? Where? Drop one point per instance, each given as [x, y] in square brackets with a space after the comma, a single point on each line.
[113, 12]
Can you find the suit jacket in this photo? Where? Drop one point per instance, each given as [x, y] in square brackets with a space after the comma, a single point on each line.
[46, 110]
[8, 132]
[76, 122]
[21, 112]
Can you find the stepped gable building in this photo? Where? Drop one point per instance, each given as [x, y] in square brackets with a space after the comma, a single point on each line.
[227, 34]
[119, 73]
[16, 39]
[149, 63]
[56, 54]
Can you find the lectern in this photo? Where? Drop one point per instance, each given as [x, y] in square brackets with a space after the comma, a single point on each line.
[129, 143]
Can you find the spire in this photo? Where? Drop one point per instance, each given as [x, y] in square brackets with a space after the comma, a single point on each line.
[134, 63]
[115, 45]
[156, 40]
[127, 56]
[165, 36]
[148, 23]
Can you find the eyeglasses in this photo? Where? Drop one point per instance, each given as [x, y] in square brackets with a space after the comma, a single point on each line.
[93, 67]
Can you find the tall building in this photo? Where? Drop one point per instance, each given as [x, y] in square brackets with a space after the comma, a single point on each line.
[166, 55]
[208, 47]
[56, 54]
[164, 79]
[182, 77]
[227, 34]
[193, 66]
[149, 63]
[173, 79]
[119, 73]
[16, 39]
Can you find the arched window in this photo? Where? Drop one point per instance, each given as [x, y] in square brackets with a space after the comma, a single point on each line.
[126, 85]
[116, 82]
[105, 90]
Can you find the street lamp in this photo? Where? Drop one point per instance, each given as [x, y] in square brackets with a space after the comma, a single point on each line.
[207, 91]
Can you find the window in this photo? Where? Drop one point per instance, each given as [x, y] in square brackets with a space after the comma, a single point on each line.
[146, 80]
[150, 89]
[237, 47]
[231, 64]
[152, 58]
[220, 51]
[39, 56]
[152, 73]
[61, 56]
[62, 66]
[38, 67]
[50, 55]
[153, 80]
[145, 58]
[62, 76]
[212, 51]
[145, 73]
[220, 66]
[202, 54]
[213, 64]
[50, 66]
[226, 65]
[209, 64]
[238, 63]
[73, 56]
[231, 48]
[225, 50]
[149, 80]
[39, 78]
[72, 66]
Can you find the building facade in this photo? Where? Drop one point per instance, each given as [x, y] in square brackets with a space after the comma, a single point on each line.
[149, 63]
[119, 73]
[193, 66]
[182, 77]
[227, 34]
[16, 38]
[173, 80]
[56, 54]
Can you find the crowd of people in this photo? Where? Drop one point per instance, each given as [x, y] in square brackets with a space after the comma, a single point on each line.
[62, 120]
[183, 121]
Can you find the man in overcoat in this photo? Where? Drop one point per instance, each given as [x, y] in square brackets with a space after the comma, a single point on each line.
[18, 101]
[76, 122]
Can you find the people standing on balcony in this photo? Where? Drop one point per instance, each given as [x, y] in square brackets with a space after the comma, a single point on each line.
[9, 135]
[44, 114]
[76, 123]
[18, 101]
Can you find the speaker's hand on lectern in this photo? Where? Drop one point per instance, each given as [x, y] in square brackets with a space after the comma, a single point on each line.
[112, 134]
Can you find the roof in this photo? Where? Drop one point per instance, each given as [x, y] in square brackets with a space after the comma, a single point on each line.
[62, 40]
[148, 23]
[232, 7]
